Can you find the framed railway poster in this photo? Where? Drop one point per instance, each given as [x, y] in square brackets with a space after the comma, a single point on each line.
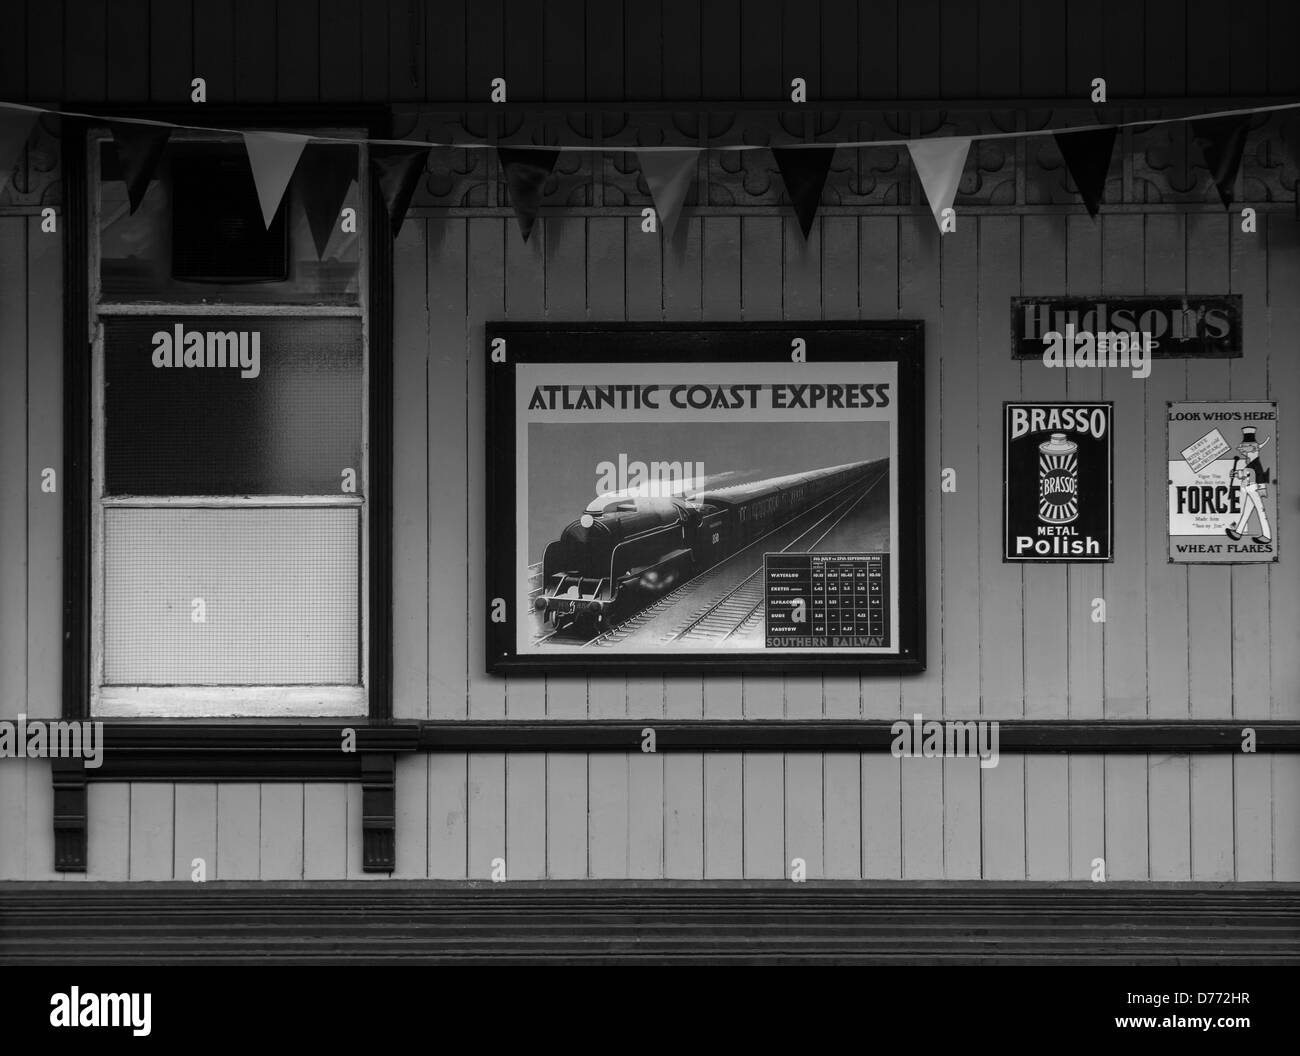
[702, 497]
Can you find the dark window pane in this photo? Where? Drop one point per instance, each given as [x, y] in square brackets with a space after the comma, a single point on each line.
[283, 421]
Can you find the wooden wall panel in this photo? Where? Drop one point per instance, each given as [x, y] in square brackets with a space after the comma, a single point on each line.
[171, 51]
[1165, 66]
[44, 450]
[1085, 258]
[239, 825]
[989, 828]
[1042, 47]
[256, 35]
[447, 383]
[1284, 377]
[1003, 802]
[13, 56]
[445, 52]
[1250, 586]
[126, 49]
[1045, 632]
[302, 50]
[1123, 30]
[297, 64]
[1124, 634]
[1286, 825]
[325, 850]
[998, 49]
[448, 798]
[19, 487]
[109, 831]
[412, 501]
[957, 29]
[215, 49]
[1003, 640]
[84, 53]
[194, 813]
[1168, 687]
[152, 853]
[1001, 585]
[485, 296]
[341, 58]
[280, 835]
[957, 384]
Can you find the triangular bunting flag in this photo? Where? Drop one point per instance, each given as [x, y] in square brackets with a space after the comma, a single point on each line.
[1087, 157]
[15, 127]
[668, 176]
[527, 169]
[398, 171]
[939, 163]
[139, 149]
[273, 156]
[324, 175]
[804, 171]
[1222, 140]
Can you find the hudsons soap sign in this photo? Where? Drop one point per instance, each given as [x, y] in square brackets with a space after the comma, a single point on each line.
[1179, 327]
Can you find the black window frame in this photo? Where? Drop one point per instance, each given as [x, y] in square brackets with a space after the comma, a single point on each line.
[251, 747]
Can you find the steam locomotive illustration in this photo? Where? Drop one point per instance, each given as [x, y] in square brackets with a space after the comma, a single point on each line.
[626, 550]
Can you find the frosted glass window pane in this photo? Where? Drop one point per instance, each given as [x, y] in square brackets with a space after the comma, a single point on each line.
[280, 591]
[290, 428]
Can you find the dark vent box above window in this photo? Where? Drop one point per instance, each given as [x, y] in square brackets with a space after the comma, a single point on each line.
[218, 234]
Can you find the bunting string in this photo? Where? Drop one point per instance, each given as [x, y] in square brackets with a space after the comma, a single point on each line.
[856, 144]
[938, 162]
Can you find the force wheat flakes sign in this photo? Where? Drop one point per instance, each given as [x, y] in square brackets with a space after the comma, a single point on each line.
[1222, 480]
[1057, 493]
[744, 496]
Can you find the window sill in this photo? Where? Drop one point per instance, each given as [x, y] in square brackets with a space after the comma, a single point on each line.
[170, 703]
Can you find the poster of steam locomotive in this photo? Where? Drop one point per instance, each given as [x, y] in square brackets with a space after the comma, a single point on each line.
[678, 497]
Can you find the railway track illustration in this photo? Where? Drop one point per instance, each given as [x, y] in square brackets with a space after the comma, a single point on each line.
[741, 607]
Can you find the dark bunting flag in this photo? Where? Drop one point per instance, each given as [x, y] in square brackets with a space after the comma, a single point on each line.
[397, 171]
[139, 149]
[1087, 157]
[1222, 141]
[804, 171]
[324, 174]
[526, 169]
[668, 177]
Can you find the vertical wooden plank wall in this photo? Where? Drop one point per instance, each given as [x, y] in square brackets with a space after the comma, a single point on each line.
[298, 50]
[1004, 641]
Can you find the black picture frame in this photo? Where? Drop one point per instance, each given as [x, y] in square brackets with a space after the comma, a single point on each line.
[508, 345]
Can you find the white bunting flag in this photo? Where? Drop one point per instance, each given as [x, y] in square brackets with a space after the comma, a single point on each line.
[273, 156]
[939, 163]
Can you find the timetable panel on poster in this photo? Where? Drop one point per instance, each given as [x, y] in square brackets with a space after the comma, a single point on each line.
[821, 601]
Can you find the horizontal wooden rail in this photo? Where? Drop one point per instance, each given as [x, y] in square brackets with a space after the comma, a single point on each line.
[1014, 735]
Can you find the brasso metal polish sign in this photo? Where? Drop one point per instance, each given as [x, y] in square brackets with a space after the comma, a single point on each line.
[1057, 489]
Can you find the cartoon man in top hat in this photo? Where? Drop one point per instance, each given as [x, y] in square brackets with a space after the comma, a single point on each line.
[1252, 478]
